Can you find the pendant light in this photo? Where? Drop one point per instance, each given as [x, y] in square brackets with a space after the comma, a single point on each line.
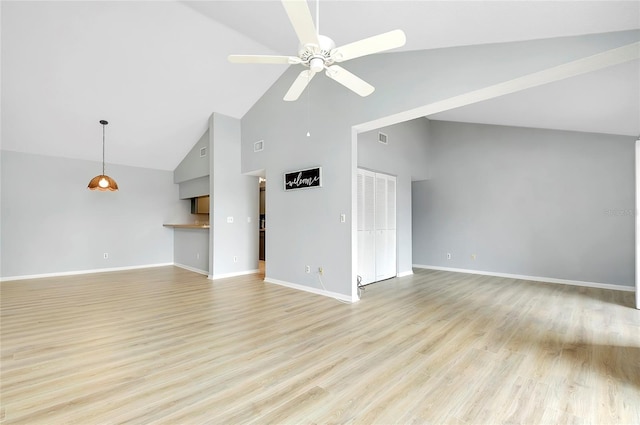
[103, 182]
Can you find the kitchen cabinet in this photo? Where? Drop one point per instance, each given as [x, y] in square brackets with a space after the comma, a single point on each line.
[200, 205]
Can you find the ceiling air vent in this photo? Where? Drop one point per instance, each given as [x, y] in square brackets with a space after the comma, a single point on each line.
[258, 146]
[203, 152]
[382, 138]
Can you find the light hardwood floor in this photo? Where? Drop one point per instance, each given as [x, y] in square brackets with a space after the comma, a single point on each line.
[168, 346]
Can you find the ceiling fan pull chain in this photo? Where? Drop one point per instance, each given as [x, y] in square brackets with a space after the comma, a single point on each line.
[309, 110]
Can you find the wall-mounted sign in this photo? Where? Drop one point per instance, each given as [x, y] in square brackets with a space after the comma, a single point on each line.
[303, 179]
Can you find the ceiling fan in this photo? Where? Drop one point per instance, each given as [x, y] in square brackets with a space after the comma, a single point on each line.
[318, 52]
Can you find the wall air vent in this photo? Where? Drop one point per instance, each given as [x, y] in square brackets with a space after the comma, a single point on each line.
[258, 146]
[203, 152]
[382, 138]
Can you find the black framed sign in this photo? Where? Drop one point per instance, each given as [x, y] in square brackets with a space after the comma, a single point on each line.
[303, 179]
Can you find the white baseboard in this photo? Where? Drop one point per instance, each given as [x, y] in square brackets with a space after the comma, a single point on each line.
[316, 291]
[532, 278]
[77, 272]
[405, 273]
[191, 269]
[226, 275]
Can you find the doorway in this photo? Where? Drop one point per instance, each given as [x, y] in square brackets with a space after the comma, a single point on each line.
[262, 225]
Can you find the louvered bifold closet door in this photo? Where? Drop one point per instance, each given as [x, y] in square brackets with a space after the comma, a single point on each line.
[385, 226]
[376, 226]
[366, 227]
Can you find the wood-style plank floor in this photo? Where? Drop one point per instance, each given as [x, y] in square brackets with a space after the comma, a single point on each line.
[168, 346]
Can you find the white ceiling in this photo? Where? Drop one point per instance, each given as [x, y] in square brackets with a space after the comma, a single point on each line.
[427, 24]
[156, 70]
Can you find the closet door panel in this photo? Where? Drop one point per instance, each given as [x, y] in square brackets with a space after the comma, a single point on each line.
[366, 225]
[381, 202]
[369, 202]
[376, 226]
[366, 256]
[391, 202]
[385, 254]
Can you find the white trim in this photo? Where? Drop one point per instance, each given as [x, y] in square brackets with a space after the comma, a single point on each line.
[638, 223]
[406, 273]
[316, 291]
[532, 278]
[78, 272]
[191, 269]
[234, 274]
[354, 215]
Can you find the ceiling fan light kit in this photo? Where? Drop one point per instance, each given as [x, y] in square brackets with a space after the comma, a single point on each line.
[319, 53]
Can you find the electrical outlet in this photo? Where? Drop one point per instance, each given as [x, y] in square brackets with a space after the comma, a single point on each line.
[448, 256]
[473, 256]
[229, 219]
[307, 269]
[235, 258]
[105, 255]
[320, 270]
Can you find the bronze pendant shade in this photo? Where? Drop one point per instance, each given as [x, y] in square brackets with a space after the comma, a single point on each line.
[103, 182]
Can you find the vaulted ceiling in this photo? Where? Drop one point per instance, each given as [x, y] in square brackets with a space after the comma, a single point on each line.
[156, 70]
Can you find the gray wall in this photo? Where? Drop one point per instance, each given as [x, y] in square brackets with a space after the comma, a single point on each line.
[192, 173]
[193, 165]
[304, 227]
[527, 201]
[406, 157]
[1, 200]
[191, 249]
[233, 195]
[51, 222]
[194, 188]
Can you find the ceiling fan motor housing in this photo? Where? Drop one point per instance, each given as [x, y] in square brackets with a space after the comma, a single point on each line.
[316, 57]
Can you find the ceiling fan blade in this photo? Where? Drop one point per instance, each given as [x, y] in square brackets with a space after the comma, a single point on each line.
[368, 46]
[270, 59]
[350, 81]
[300, 17]
[298, 86]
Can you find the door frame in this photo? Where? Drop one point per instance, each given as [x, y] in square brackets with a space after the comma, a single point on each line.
[637, 213]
